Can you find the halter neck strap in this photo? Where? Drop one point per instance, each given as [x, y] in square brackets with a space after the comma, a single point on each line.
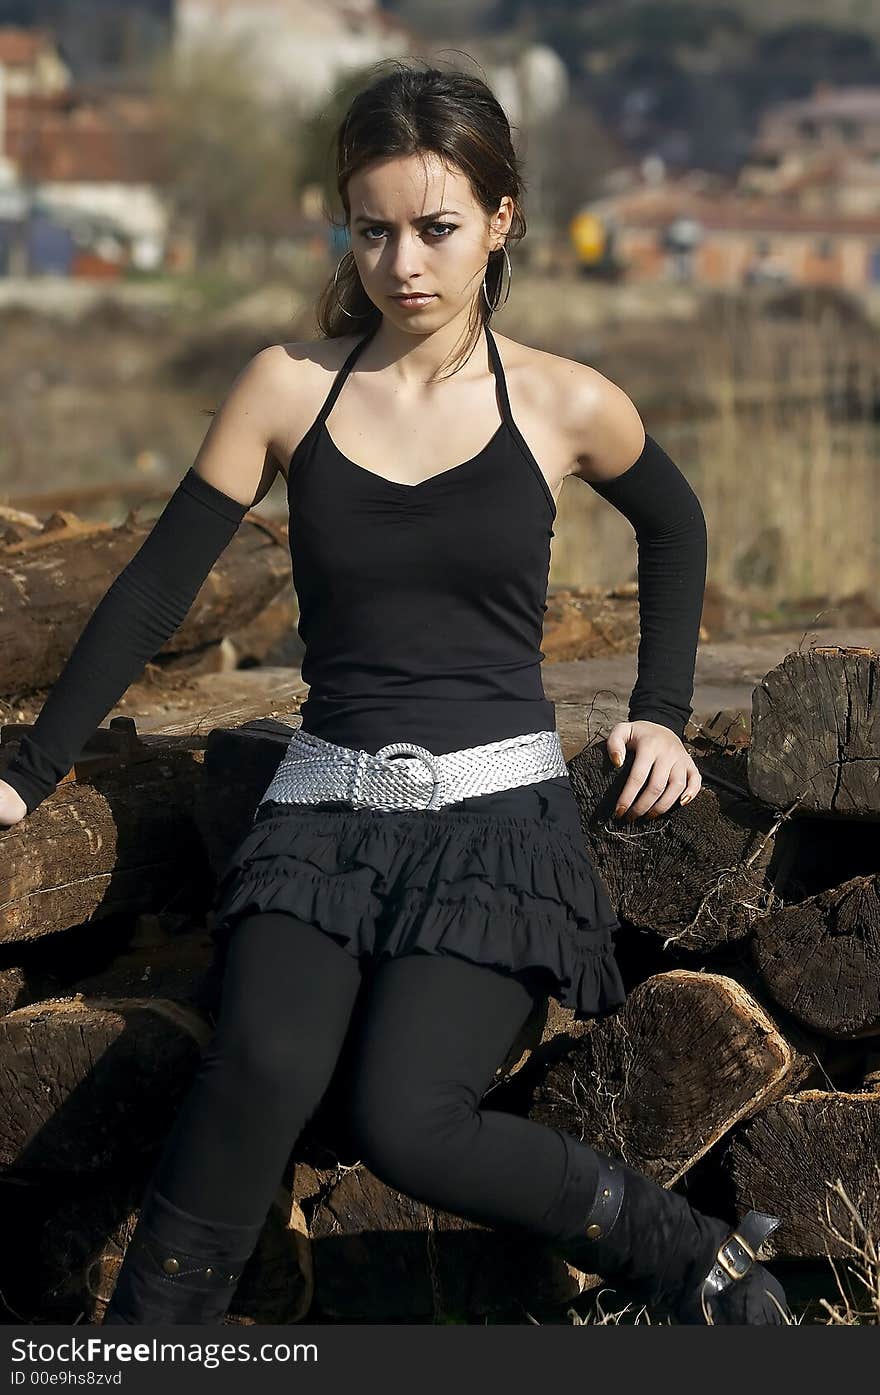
[339, 380]
[343, 373]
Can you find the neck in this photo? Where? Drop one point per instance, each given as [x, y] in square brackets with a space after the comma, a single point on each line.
[414, 360]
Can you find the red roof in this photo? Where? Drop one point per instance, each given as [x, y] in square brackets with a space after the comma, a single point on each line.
[20, 48]
[74, 138]
[740, 215]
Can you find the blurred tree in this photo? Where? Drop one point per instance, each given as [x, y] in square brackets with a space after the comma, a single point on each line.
[316, 155]
[449, 19]
[230, 150]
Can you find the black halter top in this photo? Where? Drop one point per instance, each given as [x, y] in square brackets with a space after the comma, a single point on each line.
[421, 606]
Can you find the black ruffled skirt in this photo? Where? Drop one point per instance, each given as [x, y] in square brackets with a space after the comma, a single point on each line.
[501, 879]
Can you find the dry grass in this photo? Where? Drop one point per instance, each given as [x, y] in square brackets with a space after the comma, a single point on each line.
[772, 422]
[858, 1275]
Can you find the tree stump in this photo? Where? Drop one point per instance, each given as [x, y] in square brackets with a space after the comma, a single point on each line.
[239, 766]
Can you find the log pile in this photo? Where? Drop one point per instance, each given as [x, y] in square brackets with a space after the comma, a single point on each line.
[744, 1067]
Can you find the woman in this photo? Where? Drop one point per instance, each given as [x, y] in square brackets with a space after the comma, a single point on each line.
[421, 823]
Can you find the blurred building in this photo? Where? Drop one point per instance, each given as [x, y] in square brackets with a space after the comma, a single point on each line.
[298, 50]
[821, 153]
[80, 171]
[32, 65]
[702, 228]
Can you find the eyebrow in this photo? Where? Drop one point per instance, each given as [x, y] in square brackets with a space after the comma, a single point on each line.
[427, 217]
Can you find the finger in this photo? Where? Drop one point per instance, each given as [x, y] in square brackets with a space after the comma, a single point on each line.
[676, 786]
[662, 789]
[654, 790]
[694, 785]
[642, 771]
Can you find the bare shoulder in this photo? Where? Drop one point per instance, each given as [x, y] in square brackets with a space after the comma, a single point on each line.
[604, 428]
[299, 365]
[292, 380]
[603, 431]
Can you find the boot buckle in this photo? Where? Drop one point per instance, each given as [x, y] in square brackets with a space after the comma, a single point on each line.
[739, 1251]
[735, 1257]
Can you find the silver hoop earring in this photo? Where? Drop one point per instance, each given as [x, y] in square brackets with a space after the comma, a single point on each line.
[493, 308]
[349, 313]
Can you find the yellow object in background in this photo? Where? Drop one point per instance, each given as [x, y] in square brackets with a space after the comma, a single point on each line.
[588, 235]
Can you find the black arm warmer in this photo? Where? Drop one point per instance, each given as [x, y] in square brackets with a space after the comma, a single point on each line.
[146, 603]
[672, 554]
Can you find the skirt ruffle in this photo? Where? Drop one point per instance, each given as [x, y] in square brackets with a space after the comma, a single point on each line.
[515, 893]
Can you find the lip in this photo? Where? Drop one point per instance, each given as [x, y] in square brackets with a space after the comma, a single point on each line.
[417, 299]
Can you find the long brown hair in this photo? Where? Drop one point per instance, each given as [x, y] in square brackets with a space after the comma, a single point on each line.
[414, 110]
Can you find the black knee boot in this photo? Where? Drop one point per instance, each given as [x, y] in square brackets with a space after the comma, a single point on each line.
[179, 1268]
[676, 1260]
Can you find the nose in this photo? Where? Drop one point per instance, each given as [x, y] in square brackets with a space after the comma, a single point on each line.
[403, 256]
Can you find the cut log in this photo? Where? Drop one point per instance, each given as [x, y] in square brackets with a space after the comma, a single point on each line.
[88, 1084]
[434, 1266]
[58, 579]
[238, 768]
[660, 1081]
[16, 989]
[820, 959]
[793, 1159]
[174, 966]
[224, 700]
[179, 703]
[816, 734]
[698, 876]
[271, 637]
[125, 843]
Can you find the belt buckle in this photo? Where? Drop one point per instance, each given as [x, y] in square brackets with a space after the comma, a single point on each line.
[427, 758]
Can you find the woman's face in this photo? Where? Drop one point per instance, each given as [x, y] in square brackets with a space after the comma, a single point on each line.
[416, 227]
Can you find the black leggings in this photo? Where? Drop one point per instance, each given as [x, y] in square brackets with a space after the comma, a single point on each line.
[431, 1033]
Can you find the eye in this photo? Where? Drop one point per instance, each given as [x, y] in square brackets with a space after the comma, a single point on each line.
[377, 227]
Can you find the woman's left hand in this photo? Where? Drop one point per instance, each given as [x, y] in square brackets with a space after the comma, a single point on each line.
[662, 769]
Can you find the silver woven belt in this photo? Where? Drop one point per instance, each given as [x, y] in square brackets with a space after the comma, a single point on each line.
[406, 776]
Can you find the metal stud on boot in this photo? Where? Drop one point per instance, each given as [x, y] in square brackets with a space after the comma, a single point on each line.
[676, 1260]
[178, 1268]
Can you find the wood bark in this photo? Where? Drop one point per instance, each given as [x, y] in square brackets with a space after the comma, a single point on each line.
[659, 1082]
[92, 1084]
[816, 734]
[59, 577]
[127, 842]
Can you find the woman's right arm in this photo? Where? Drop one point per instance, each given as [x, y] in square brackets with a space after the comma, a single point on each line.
[152, 596]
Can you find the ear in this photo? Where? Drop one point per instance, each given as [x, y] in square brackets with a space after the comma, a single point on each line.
[502, 220]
